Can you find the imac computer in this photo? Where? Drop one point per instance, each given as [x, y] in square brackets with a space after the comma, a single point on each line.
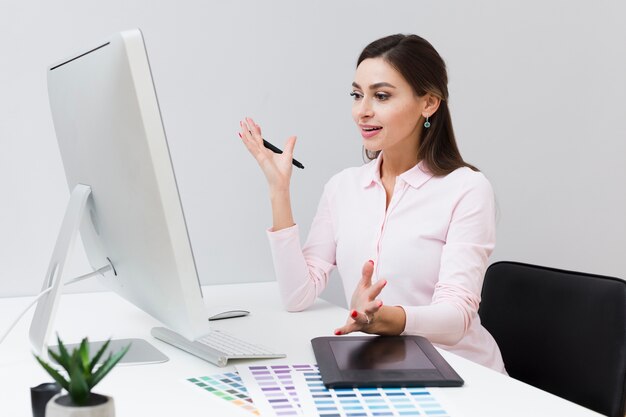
[124, 197]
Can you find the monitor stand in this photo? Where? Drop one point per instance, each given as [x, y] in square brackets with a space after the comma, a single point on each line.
[140, 353]
[41, 325]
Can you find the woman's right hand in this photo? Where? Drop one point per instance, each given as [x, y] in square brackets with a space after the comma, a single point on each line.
[276, 167]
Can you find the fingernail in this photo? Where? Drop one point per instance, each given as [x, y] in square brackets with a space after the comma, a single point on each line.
[380, 304]
[370, 261]
[354, 314]
[239, 135]
[337, 332]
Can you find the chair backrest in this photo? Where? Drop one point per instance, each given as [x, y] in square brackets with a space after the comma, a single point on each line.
[561, 331]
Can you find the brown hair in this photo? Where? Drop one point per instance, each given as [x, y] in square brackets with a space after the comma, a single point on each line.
[422, 67]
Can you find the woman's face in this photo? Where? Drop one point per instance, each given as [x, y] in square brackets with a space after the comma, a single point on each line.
[385, 108]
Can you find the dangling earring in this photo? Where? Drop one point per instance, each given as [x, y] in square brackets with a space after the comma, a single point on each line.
[426, 123]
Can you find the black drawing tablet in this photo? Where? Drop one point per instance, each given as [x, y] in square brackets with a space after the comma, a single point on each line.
[382, 361]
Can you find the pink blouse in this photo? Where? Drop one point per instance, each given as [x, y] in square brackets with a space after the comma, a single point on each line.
[432, 245]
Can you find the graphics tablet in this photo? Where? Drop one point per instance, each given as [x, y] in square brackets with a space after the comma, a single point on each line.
[382, 361]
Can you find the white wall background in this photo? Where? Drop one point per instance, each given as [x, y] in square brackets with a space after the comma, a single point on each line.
[537, 89]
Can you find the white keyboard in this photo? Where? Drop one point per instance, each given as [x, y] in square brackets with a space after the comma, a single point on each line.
[217, 347]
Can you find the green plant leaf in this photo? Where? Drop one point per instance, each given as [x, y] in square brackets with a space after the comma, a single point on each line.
[54, 374]
[96, 358]
[78, 388]
[59, 360]
[107, 366]
[65, 356]
[84, 355]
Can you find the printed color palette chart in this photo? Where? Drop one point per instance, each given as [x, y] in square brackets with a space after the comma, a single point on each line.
[294, 390]
[228, 387]
[273, 389]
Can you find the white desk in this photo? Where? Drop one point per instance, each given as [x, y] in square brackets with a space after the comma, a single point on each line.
[161, 390]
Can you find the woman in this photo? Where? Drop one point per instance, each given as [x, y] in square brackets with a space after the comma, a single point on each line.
[421, 218]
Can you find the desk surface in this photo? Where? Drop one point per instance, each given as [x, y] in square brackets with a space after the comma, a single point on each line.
[161, 389]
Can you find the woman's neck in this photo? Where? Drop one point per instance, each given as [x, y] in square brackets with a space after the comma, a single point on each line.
[395, 162]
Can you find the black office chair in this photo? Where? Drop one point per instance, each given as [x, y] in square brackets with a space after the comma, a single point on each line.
[561, 331]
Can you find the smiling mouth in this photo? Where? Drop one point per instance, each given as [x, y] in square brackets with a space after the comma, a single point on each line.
[371, 129]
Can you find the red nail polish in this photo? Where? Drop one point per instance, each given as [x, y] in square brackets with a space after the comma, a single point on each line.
[380, 304]
[239, 135]
[354, 314]
[337, 333]
[370, 261]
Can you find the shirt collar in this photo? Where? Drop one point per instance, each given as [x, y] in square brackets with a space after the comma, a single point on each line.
[371, 172]
[415, 177]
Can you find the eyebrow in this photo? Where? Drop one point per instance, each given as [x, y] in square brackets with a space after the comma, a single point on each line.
[374, 86]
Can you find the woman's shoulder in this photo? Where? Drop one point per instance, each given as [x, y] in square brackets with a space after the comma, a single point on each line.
[467, 179]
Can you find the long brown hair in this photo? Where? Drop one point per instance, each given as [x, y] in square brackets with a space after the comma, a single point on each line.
[420, 64]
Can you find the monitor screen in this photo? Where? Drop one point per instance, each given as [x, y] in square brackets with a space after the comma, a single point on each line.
[111, 137]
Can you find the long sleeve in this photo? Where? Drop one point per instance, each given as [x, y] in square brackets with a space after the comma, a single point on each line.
[469, 242]
[302, 272]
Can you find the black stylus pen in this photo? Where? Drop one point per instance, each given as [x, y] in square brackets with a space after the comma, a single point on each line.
[276, 150]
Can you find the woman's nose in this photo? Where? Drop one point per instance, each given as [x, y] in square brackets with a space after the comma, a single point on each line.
[365, 109]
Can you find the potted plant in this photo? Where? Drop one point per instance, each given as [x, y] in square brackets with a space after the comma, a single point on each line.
[82, 375]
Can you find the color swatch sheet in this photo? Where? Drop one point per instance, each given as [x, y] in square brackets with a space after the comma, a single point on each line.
[228, 387]
[297, 390]
[275, 389]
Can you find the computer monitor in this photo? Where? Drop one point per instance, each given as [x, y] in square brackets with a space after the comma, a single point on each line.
[124, 192]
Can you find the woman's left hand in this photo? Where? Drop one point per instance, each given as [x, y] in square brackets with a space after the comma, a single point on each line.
[364, 306]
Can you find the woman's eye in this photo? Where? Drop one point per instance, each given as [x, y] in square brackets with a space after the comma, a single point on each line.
[356, 95]
[381, 96]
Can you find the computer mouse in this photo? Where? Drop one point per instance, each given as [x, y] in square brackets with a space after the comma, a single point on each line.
[221, 314]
